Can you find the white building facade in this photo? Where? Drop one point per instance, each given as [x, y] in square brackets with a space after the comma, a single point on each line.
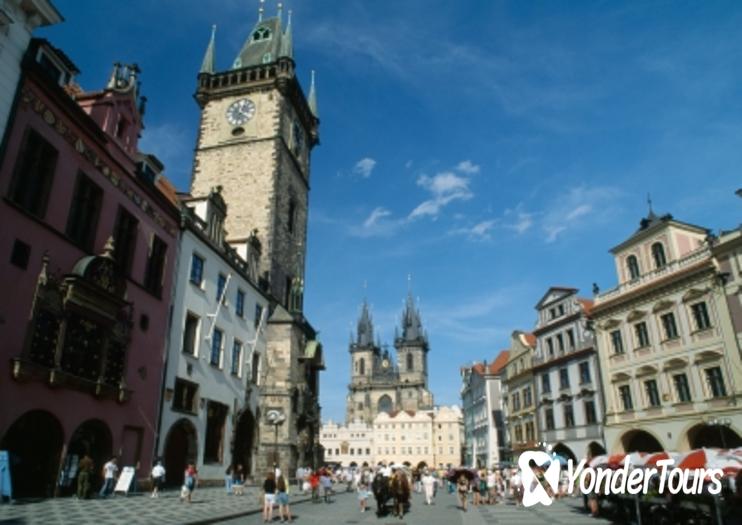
[350, 445]
[18, 19]
[567, 377]
[482, 407]
[216, 351]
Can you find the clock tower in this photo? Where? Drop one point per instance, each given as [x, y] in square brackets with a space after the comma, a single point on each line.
[255, 139]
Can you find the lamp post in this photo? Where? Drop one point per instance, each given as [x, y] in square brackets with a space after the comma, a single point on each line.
[275, 418]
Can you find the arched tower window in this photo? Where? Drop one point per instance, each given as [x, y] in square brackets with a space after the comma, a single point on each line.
[410, 364]
[292, 215]
[362, 366]
[261, 33]
[658, 254]
[385, 404]
[633, 266]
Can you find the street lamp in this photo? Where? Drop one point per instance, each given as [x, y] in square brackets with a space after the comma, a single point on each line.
[275, 418]
[723, 424]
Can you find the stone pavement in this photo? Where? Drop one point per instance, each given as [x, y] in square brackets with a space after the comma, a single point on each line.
[209, 505]
[344, 510]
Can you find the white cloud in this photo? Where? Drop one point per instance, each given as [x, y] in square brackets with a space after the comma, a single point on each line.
[468, 167]
[445, 187]
[572, 209]
[364, 167]
[377, 224]
[408, 164]
[521, 221]
[376, 215]
[480, 231]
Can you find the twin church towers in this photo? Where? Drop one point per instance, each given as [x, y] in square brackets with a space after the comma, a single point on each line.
[381, 383]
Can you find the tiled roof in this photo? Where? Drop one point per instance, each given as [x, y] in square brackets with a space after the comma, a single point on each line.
[500, 361]
[530, 339]
[587, 305]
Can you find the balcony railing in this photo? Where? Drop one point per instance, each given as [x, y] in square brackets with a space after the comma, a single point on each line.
[673, 266]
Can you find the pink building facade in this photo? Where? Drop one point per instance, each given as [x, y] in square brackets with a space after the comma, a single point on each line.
[89, 238]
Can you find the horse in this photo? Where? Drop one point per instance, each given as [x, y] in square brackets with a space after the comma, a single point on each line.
[400, 486]
[380, 488]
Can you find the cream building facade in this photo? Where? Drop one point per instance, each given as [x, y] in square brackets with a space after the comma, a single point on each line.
[349, 445]
[669, 354]
[433, 437]
[519, 395]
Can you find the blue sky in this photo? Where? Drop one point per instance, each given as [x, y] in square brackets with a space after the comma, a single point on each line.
[490, 149]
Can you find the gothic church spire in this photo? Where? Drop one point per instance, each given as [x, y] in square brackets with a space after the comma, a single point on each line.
[207, 66]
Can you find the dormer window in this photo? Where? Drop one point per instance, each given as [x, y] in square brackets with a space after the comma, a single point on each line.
[267, 58]
[261, 33]
[633, 266]
[658, 254]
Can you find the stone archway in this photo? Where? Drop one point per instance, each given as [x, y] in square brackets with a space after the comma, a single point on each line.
[93, 438]
[640, 441]
[244, 442]
[595, 449]
[180, 450]
[712, 436]
[564, 451]
[34, 442]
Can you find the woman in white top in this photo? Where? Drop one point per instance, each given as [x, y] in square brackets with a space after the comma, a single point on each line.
[428, 482]
[158, 479]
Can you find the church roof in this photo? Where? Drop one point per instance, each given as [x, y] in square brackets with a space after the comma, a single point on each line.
[266, 43]
[412, 326]
[365, 332]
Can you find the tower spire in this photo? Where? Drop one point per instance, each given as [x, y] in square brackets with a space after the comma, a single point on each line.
[287, 44]
[207, 66]
[261, 10]
[313, 98]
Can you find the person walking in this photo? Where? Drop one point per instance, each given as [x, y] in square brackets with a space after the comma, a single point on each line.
[363, 494]
[325, 482]
[282, 498]
[462, 487]
[158, 479]
[84, 471]
[428, 483]
[314, 485]
[269, 496]
[110, 469]
[190, 481]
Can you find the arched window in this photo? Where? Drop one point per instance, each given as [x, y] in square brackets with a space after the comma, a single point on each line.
[410, 364]
[633, 267]
[292, 215]
[385, 404]
[658, 254]
[255, 368]
[261, 33]
[362, 366]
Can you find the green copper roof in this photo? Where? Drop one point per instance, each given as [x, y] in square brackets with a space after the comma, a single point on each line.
[263, 45]
[207, 66]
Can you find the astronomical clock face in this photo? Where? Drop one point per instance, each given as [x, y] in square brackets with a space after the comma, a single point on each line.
[240, 112]
[385, 363]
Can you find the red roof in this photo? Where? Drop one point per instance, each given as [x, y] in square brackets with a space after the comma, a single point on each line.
[587, 305]
[530, 339]
[500, 361]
